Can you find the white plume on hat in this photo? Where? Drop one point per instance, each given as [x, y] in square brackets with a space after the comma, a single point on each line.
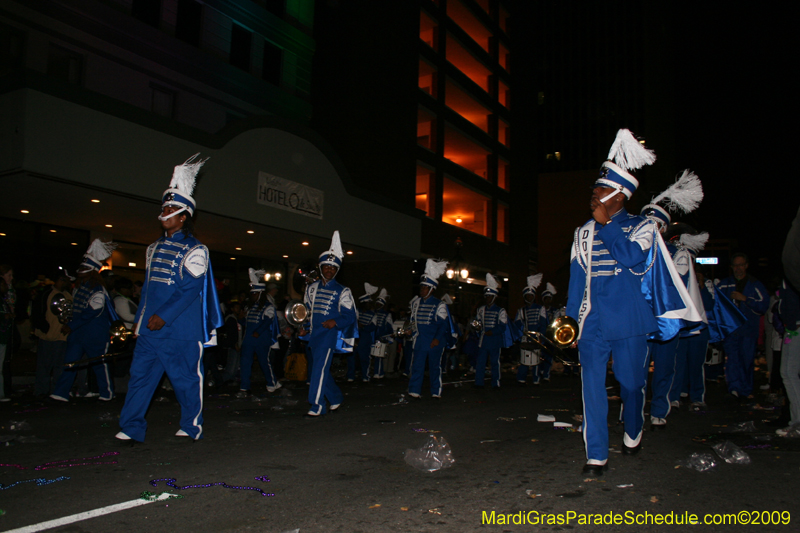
[535, 280]
[550, 289]
[685, 194]
[100, 251]
[447, 299]
[370, 289]
[383, 295]
[491, 282]
[434, 269]
[628, 153]
[256, 276]
[336, 245]
[694, 243]
[184, 176]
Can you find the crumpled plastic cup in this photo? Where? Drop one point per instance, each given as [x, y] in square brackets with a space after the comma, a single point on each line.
[434, 455]
[731, 453]
[744, 427]
[702, 462]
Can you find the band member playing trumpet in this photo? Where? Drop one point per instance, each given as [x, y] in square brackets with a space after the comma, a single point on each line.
[532, 317]
[495, 334]
[178, 314]
[92, 315]
[331, 329]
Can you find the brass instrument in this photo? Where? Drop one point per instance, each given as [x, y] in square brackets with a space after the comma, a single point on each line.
[120, 335]
[476, 324]
[560, 334]
[296, 313]
[61, 307]
[406, 330]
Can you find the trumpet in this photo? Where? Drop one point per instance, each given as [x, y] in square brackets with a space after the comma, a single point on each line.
[561, 333]
[476, 324]
[120, 335]
[406, 330]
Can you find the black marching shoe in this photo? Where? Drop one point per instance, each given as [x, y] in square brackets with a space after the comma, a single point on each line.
[594, 470]
[628, 450]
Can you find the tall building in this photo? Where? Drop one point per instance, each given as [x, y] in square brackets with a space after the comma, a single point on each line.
[416, 98]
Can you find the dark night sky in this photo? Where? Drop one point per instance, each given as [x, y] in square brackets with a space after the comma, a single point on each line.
[734, 125]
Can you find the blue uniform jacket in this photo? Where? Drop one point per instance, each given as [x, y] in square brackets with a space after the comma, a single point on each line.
[757, 298]
[431, 319]
[92, 315]
[179, 288]
[326, 302]
[261, 320]
[618, 307]
[532, 317]
[494, 319]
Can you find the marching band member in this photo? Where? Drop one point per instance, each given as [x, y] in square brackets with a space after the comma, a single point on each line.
[331, 329]
[613, 264]
[88, 330]
[430, 318]
[178, 314]
[260, 335]
[552, 313]
[366, 335]
[495, 334]
[531, 317]
[384, 326]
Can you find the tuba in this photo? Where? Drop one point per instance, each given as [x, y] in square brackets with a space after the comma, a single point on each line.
[560, 334]
[61, 307]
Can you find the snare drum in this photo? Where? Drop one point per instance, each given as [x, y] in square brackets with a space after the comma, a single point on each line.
[378, 350]
[528, 357]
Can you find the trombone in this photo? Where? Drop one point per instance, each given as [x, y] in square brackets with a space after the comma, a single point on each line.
[120, 335]
[560, 334]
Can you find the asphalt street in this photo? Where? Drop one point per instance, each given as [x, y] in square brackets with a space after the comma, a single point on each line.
[262, 466]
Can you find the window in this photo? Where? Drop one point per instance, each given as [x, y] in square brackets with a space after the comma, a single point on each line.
[504, 57]
[427, 77]
[148, 11]
[241, 44]
[461, 15]
[503, 95]
[503, 22]
[504, 132]
[465, 152]
[428, 30]
[12, 45]
[189, 22]
[462, 103]
[502, 222]
[426, 129]
[503, 174]
[272, 64]
[466, 63]
[424, 190]
[64, 64]
[163, 101]
[465, 208]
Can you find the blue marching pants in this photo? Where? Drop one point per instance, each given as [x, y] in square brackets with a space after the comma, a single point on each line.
[360, 356]
[433, 356]
[322, 390]
[663, 356]
[493, 355]
[261, 351]
[630, 369]
[75, 351]
[183, 363]
[740, 350]
[522, 373]
[690, 363]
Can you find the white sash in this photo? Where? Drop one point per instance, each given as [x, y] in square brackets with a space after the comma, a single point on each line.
[584, 243]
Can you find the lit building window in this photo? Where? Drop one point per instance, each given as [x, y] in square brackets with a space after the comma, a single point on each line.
[467, 63]
[503, 132]
[503, 95]
[426, 129]
[504, 57]
[428, 30]
[427, 77]
[462, 103]
[503, 174]
[461, 15]
[502, 222]
[460, 203]
[425, 181]
[465, 152]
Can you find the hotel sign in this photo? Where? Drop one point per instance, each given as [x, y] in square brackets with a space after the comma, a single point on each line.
[289, 195]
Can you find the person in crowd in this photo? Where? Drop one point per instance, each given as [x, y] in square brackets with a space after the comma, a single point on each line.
[532, 317]
[6, 324]
[230, 339]
[431, 329]
[383, 330]
[52, 344]
[260, 335]
[495, 334]
[366, 335]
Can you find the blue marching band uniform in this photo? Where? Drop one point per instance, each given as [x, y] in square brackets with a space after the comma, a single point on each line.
[495, 335]
[532, 317]
[367, 326]
[179, 289]
[260, 336]
[384, 326]
[328, 300]
[92, 315]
